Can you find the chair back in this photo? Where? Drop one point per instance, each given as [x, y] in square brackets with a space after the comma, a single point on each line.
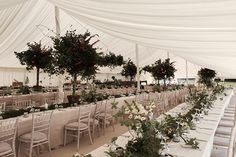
[231, 148]
[98, 110]
[2, 106]
[108, 107]
[49, 101]
[41, 122]
[8, 129]
[84, 114]
[22, 103]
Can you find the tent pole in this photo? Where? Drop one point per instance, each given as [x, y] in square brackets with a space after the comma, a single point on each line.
[60, 77]
[186, 65]
[57, 20]
[137, 62]
[168, 54]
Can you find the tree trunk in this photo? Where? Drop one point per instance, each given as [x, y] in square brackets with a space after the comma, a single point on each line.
[164, 82]
[158, 82]
[74, 84]
[37, 77]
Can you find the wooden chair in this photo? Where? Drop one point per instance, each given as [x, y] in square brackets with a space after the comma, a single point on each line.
[22, 104]
[227, 146]
[40, 133]
[50, 101]
[7, 137]
[106, 117]
[2, 106]
[82, 125]
[224, 140]
[95, 119]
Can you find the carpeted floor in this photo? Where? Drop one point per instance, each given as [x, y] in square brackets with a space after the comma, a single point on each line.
[85, 146]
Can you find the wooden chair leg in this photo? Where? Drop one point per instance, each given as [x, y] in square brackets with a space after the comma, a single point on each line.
[98, 130]
[49, 149]
[37, 150]
[18, 154]
[93, 131]
[89, 132]
[78, 137]
[65, 133]
[30, 150]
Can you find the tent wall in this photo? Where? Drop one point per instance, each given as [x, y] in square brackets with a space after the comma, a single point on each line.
[9, 75]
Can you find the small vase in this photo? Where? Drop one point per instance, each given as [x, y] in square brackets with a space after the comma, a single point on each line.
[119, 152]
[126, 116]
[176, 138]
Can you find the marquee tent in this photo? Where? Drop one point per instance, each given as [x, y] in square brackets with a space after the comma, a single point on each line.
[200, 31]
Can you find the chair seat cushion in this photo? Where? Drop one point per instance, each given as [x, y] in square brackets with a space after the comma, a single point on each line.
[229, 111]
[228, 118]
[224, 130]
[5, 148]
[38, 137]
[108, 116]
[74, 126]
[96, 122]
[219, 152]
[228, 115]
[232, 106]
[221, 141]
[226, 123]
[109, 122]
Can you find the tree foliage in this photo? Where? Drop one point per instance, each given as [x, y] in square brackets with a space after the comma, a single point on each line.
[37, 57]
[129, 70]
[76, 54]
[206, 76]
[161, 70]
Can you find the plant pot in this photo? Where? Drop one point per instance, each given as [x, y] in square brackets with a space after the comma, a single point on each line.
[73, 98]
[38, 88]
[125, 116]
[119, 152]
[176, 138]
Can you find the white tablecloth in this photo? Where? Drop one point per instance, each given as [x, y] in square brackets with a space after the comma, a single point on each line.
[204, 133]
[58, 121]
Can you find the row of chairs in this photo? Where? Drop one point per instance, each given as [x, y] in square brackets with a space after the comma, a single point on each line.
[39, 135]
[225, 135]
[18, 104]
[87, 122]
[164, 101]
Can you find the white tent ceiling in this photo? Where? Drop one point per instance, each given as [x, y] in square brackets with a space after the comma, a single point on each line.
[201, 31]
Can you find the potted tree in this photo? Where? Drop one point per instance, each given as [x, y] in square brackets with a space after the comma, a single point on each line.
[206, 77]
[36, 57]
[129, 70]
[168, 70]
[76, 55]
[155, 70]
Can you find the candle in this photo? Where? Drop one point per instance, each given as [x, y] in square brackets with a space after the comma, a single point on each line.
[46, 106]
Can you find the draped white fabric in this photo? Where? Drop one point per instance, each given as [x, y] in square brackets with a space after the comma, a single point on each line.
[201, 31]
[195, 28]
[9, 3]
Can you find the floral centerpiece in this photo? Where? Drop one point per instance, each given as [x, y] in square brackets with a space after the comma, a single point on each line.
[146, 138]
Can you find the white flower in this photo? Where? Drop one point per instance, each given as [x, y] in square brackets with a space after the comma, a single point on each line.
[76, 155]
[130, 116]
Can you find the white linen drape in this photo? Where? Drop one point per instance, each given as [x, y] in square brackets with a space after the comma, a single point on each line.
[9, 3]
[182, 27]
[201, 31]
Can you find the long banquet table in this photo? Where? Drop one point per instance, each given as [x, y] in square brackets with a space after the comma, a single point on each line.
[60, 117]
[204, 132]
